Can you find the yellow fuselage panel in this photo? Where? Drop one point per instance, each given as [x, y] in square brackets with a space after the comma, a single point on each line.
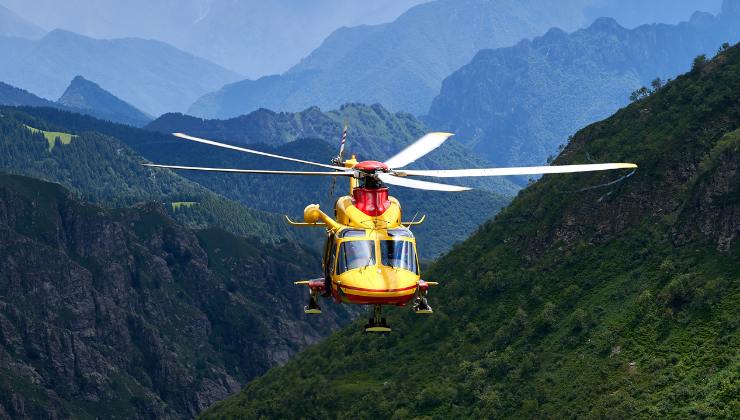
[378, 280]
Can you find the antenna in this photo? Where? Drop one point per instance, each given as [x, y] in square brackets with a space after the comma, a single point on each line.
[339, 159]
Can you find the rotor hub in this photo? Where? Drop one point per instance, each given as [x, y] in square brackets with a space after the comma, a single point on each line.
[372, 166]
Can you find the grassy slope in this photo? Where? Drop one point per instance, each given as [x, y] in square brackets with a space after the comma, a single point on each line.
[612, 302]
[52, 136]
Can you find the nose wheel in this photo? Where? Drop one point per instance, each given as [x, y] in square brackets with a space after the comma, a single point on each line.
[377, 323]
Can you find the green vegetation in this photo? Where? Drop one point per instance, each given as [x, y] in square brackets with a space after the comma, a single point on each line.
[618, 301]
[164, 320]
[53, 136]
[104, 170]
[177, 205]
[311, 135]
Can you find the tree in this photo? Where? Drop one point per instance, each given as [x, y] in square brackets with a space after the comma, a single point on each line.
[639, 94]
[656, 84]
[699, 62]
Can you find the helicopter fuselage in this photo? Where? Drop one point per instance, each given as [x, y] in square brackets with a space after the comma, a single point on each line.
[370, 256]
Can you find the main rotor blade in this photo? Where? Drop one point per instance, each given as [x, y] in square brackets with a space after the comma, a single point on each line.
[417, 149]
[527, 170]
[256, 152]
[249, 171]
[419, 185]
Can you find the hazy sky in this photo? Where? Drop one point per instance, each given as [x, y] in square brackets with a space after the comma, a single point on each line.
[260, 37]
[253, 37]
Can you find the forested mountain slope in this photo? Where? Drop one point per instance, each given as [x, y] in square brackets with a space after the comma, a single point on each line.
[373, 133]
[516, 105]
[126, 314]
[584, 298]
[103, 169]
[451, 217]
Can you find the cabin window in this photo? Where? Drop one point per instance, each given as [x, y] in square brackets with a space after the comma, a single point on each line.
[399, 254]
[351, 233]
[404, 233]
[355, 254]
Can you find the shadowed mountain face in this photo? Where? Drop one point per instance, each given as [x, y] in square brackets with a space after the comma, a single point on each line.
[89, 98]
[150, 75]
[125, 313]
[516, 105]
[401, 64]
[618, 301]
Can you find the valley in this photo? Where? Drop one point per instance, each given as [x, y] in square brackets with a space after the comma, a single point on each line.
[592, 291]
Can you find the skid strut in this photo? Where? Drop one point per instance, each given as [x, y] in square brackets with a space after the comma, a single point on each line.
[377, 323]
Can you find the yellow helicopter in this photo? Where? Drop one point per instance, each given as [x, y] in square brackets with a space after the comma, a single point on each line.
[370, 255]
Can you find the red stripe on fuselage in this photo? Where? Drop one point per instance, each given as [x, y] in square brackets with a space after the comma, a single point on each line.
[395, 300]
[377, 290]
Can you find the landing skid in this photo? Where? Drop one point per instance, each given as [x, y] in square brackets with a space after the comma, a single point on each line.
[377, 323]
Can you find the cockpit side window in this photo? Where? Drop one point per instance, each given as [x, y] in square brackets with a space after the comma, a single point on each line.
[400, 232]
[355, 254]
[351, 233]
[399, 254]
[332, 252]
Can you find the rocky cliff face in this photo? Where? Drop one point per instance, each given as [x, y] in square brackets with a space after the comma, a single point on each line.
[127, 314]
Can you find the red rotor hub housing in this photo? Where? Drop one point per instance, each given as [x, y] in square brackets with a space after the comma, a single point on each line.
[371, 166]
[371, 201]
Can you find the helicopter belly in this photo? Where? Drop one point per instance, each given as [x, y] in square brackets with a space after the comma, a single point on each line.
[374, 285]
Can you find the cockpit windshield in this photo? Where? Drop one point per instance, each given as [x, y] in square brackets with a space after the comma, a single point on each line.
[398, 254]
[355, 254]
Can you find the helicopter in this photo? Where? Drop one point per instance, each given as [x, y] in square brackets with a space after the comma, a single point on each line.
[370, 255]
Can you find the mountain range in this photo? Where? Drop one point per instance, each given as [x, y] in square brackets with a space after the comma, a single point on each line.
[585, 298]
[450, 217]
[516, 105]
[401, 64]
[250, 37]
[150, 75]
[81, 96]
[135, 292]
